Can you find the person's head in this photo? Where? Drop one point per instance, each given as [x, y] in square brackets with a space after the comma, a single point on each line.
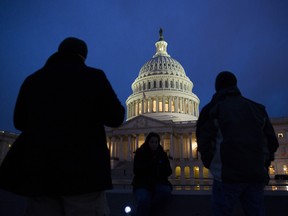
[73, 45]
[153, 141]
[225, 79]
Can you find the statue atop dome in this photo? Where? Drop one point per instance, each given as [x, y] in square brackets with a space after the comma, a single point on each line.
[161, 35]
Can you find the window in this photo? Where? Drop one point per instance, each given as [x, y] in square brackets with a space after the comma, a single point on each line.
[160, 84]
[177, 172]
[160, 106]
[166, 105]
[271, 170]
[154, 84]
[196, 171]
[285, 169]
[187, 172]
[166, 83]
[153, 105]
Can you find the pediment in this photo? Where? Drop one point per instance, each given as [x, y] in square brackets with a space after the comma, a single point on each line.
[143, 122]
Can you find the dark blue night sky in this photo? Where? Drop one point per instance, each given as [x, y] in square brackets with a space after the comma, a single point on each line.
[247, 37]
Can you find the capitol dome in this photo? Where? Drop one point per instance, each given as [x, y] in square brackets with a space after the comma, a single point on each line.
[162, 90]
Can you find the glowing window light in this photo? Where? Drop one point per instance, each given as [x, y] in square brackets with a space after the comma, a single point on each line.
[285, 169]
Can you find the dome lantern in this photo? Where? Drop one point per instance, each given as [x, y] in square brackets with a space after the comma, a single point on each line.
[161, 46]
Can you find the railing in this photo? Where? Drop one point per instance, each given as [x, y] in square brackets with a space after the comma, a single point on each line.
[274, 185]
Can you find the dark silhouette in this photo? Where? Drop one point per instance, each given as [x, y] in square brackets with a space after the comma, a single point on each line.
[237, 143]
[151, 171]
[61, 160]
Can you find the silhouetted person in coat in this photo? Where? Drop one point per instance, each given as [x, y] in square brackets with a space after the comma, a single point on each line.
[237, 143]
[61, 160]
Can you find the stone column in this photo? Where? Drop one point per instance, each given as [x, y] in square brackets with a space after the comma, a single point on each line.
[120, 147]
[150, 105]
[169, 104]
[157, 104]
[110, 145]
[137, 141]
[181, 147]
[171, 150]
[137, 107]
[142, 106]
[176, 104]
[129, 148]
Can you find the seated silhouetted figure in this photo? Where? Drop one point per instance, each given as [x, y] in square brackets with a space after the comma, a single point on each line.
[152, 168]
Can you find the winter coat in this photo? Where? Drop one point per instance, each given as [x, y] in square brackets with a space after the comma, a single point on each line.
[235, 138]
[151, 168]
[61, 111]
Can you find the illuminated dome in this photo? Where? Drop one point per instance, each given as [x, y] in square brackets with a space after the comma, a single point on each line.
[162, 63]
[162, 90]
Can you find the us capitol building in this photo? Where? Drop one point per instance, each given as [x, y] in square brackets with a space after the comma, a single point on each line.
[163, 101]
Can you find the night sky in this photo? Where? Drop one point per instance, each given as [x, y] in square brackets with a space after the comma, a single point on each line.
[247, 37]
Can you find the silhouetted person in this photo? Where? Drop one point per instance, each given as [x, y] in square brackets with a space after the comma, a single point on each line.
[237, 143]
[61, 160]
[151, 171]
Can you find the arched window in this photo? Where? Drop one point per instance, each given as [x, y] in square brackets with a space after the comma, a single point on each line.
[187, 172]
[196, 171]
[177, 172]
[160, 105]
[160, 84]
[153, 105]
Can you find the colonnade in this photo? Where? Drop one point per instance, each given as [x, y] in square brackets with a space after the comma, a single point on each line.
[172, 104]
[177, 146]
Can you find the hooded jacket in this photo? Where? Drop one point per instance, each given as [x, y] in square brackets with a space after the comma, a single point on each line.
[235, 138]
[61, 112]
